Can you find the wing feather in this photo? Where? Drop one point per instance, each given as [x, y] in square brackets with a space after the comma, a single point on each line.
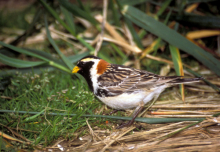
[119, 79]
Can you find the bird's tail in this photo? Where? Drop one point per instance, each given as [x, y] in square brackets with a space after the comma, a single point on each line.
[185, 80]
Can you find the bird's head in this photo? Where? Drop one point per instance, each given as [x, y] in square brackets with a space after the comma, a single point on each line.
[87, 64]
[91, 67]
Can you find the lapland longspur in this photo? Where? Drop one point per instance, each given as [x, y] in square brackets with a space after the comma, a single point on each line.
[121, 87]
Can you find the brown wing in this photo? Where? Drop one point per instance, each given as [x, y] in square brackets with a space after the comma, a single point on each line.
[118, 79]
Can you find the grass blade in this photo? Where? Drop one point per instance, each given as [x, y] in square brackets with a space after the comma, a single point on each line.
[65, 59]
[52, 63]
[169, 135]
[46, 55]
[175, 53]
[33, 117]
[171, 36]
[136, 2]
[37, 70]
[206, 81]
[69, 19]
[55, 15]
[115, 13]
[10, 138]
[77, 11]
[198, 21]
[23, 51]
[42, 135]
[19, 63]
[153, 47]
[134, 34]
[145, 120]
[163, 8]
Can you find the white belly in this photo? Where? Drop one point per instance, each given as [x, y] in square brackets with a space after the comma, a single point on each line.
[133, 100]
[124, 101]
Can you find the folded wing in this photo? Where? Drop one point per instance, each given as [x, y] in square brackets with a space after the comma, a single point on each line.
[120, 79]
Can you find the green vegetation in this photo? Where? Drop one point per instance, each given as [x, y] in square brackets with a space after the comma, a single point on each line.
[36, 76]
[53, 92]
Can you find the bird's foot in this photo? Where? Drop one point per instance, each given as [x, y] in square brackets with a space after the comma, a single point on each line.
[128, 124]
[114, 111]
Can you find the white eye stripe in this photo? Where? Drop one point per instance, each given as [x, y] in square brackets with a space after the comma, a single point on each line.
[89, 59]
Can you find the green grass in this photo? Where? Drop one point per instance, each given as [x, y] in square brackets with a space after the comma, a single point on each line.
[55, 92]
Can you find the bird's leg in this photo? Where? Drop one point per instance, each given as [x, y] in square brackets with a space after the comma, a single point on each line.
[135, 114]
[114, 111]
[151, 104]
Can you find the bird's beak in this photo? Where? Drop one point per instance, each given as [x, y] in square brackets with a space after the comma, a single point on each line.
[75, 69]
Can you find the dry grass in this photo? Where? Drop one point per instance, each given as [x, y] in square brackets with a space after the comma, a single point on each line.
[204, 136]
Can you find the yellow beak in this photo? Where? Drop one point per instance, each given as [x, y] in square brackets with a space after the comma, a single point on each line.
[75, 69]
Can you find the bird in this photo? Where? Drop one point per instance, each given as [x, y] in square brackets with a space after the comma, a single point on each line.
[121, 87]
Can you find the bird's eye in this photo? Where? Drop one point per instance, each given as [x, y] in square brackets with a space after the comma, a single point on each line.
[82, 63]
